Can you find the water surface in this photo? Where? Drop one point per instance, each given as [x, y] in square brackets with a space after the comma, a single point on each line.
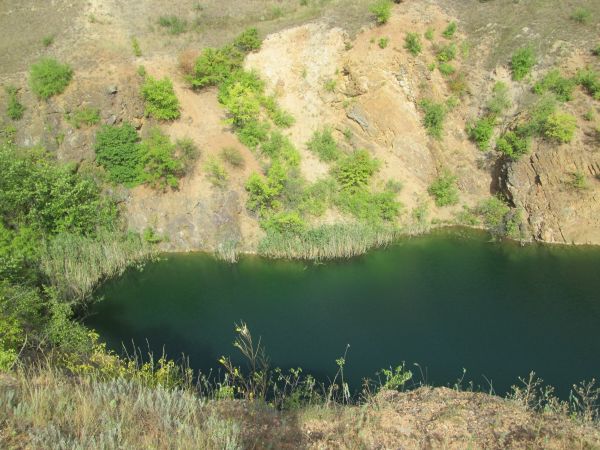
[446, 301]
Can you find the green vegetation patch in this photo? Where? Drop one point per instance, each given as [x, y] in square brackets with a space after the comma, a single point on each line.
[554, 82]
[14, 108]
[522, 62]
[481, 131]
[49, 77]
[560, 127]
[173, 24]
[118, 151]
[248, 41]
[433, 118]
[448, 33]
[444, 190]
[355, 170]
[499, 219]
[514, 144]
[84, 116]
[446, 53]
[324, 145]
[412, 43]
[161, 168]
[161, 101]
[589, 79]
[382, 10]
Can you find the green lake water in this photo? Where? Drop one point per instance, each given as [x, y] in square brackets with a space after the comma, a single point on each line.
[445, 301]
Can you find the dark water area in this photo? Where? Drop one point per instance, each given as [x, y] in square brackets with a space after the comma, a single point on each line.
[447, 301]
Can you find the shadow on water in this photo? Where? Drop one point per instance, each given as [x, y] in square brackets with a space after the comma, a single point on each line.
[447, 301]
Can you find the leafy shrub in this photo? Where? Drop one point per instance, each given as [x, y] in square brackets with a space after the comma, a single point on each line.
[318, 196]
[429, 34]
[560, 127]
[288, 222]
[581, 15]
[500, 101]
[412, 43]
[446, 69]
[279, 148]
[382, 10]
[481, 131]
[174, 25]
[553, 81]
[161, 101]
[596, 51]
[383, 42]
[522, 62]
[161, 167]
[369, 207]
[498, 218]
[216, 173]
[253, 133]
[324, 145]
[233, 156]
[214, 66]
[263, 192]
[446, 53]
[448, 33]
[443, 190]
[14, 108]
[280, 118]
[48, 77]
[47, 41]
[434, 116]
[248, 41]
[118, 151]
[84, 116]
[513, 144]
[590, 81]
[355, 170]
[538, 115]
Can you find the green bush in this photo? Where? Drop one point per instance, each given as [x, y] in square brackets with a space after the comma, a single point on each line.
[355, 170]
[560, 127]
[553, 81]
[367, 206]
[522, 62]
[481, 131]
[444, 190]
[48, 77]
[446, 69]
[500, 100]
[382, 10]
[248, 41]
[499, 219]
[279, 148]
[161, 101]
[84, 116]
[448, 33]
[446, 53]
[434, 116]
[412, 43]
[288, 222]
[429, 34]
[173, 24]
[216, 173]
[590, 81]
[187, 152]
[324, 145]
[581, 15]
[14, 109]
[214, 66]
[233, 156]
[263, 192]
[118, 151]
[161, 167]
[538, 115]
[596, 51]
[513, 144]
[383, 42]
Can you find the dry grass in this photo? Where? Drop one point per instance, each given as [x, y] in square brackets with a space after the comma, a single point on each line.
[43, 409]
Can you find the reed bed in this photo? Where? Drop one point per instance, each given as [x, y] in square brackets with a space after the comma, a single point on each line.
[76, 264]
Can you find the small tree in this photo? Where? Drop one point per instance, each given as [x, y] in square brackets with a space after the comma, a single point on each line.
[522, 62]
[560, 127]
[443, 190]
